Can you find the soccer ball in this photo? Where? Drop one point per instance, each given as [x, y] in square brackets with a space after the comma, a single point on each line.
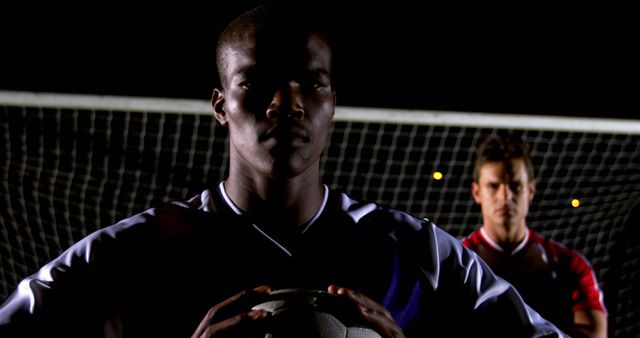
[303, 313]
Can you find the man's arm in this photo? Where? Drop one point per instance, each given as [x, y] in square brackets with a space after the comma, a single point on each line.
[589, 313]
[588, 324]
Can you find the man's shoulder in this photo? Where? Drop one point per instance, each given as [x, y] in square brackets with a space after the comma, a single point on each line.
[401, 225]
[367, 211]
[472, 240]
[166, 217]
[549, 243]
[354, 208]
[560, 252]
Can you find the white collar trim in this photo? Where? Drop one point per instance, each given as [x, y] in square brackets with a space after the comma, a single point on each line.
[497, 246]
[237, 210]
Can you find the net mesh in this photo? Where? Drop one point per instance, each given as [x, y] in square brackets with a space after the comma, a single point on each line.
[66, 172]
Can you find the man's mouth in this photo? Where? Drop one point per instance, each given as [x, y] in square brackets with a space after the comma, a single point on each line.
[504, 210]
[285, 133]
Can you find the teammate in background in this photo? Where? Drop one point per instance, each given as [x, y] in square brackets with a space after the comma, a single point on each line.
[556, 281]
[196, 267]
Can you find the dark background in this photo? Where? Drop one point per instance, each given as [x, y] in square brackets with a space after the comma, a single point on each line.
[576, 61]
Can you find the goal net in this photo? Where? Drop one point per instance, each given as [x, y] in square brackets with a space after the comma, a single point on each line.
[70, 164]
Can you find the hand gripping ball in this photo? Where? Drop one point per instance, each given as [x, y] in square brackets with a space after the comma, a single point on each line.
[304, 313]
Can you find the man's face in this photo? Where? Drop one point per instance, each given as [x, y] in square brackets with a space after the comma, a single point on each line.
[278, 103]
[503, 192]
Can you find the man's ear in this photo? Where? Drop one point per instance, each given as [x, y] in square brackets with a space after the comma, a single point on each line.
[532, 190]
[217, 101]
[475, 191]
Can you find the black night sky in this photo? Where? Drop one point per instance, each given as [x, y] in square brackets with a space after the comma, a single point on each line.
[559, 61]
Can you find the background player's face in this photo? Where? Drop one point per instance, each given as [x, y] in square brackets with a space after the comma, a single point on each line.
[278, 103]
[504, 192]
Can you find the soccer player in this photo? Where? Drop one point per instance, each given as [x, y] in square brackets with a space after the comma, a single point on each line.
[556, 281]
[196, 267]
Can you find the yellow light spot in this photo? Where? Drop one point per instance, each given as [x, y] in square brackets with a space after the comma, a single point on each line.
[575, 202]
[437, 175]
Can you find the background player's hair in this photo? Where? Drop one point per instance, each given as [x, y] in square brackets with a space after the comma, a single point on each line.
[500, 147]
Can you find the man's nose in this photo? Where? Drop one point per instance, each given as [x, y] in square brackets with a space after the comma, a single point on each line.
[505, 192]
[286, 103]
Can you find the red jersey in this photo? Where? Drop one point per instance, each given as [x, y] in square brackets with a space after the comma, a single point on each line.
[552, 279]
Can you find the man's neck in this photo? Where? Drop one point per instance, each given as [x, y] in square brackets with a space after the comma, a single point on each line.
[290, 201]
[507, 237]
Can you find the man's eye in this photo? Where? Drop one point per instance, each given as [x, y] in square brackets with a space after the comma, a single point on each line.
[315, 84]
[246, 85]
[311, 83]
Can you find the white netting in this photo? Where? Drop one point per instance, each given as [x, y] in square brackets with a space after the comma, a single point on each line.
[72, 164]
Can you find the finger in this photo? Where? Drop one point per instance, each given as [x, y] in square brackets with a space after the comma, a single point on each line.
[377, 316]
[222, 310]
[241, 325]
[233, 304]
[364, 303]
[382, 323]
